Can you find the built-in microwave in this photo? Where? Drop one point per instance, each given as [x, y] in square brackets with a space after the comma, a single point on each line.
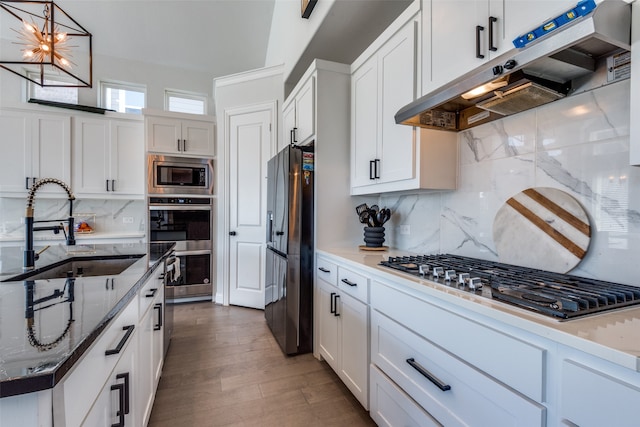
[179, 175]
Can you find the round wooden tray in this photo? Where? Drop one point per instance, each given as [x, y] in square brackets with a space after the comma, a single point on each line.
[369, 248]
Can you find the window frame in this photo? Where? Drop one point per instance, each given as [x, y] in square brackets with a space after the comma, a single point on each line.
[31, 88]
[196, 96]
[103, 85]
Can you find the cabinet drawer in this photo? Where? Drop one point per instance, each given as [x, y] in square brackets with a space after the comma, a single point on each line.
[593, 398]
[327, 271]
[516, 363]
[153, 287]
[354, 284]
[445, 385]
[390, 406]
[75, 395]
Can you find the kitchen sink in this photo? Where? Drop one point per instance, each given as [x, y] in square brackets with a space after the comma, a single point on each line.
[77, 267]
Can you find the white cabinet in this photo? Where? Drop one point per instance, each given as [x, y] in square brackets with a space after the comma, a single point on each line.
[178, 135]
[465, 34]
[593, 394]
[37, 146]
[343, 326]
[386, 156]
[150, 351]
[116, 404]
[299, 115]
[108, 157]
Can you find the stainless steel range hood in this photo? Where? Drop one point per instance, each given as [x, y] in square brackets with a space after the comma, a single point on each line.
[562, 63]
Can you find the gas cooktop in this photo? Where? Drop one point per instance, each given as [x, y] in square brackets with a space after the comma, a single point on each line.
[560, 296]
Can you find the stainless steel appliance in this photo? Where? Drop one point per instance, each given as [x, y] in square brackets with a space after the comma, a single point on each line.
[188, 222]
[561, 296]
[289, 265]
[591, 50]
[179, 175]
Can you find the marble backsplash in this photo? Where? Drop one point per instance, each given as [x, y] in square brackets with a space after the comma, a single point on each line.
[112, 216]
[579, 145]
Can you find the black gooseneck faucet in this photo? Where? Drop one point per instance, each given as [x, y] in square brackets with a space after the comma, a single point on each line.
[29, 254]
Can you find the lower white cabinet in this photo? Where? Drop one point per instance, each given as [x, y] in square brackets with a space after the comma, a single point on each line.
[116, 404]
[592, 396]
[343, 334]
[390, 406]
[452, 391]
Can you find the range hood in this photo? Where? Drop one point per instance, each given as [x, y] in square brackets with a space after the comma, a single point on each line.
[569, 60]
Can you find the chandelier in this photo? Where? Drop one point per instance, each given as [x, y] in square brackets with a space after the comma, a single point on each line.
[42, 43]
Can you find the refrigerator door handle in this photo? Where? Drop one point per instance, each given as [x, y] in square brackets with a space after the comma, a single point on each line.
[269, 226]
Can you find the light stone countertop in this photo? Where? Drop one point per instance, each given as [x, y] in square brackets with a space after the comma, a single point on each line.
[613, 336]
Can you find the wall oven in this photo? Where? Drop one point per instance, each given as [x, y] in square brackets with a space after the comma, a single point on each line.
[179, 175]
[188, 222]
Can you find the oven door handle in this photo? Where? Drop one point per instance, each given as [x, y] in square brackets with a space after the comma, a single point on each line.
[179, 208]
[196, 252]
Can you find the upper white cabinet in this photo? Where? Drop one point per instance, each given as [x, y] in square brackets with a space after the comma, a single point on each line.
[386, 156]
[108, 157]
[464, 34]
[179, 135]
[37, 146]
[299, 115]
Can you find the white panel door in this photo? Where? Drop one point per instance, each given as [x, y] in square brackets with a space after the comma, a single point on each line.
[91, 156]
[15, 161]
[51, 155]
[364, 116]
[127, 157]
[198, 138]
[306, 112]
[249, 151]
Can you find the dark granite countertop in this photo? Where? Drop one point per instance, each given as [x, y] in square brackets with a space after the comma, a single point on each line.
[40, 343]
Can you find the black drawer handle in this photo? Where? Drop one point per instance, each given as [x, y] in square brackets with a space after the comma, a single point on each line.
[479, 28]
[151, 293]
[127, 399]
[335, 313]
[346, 281]
[158, 307]
[324, 270]
[122, 342]
[372, 164]
[121, 404]
[428, 375]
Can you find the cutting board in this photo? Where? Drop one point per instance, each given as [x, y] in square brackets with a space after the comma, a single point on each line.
[542, 228]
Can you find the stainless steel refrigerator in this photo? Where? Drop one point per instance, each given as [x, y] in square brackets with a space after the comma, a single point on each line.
[289, 260]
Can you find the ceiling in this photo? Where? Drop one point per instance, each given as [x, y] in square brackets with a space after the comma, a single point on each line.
[221, 37]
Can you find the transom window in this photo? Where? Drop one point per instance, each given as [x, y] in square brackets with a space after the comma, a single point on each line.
[185, 102]
[66, 94]
[122, 97]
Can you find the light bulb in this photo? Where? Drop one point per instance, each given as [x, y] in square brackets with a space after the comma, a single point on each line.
[61, 37]
[29, 27]
[28, 54]
[44, 47]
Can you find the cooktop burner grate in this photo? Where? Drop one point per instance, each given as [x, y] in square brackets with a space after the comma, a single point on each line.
[557, 295]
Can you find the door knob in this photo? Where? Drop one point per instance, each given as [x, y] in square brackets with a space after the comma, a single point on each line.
[232, 233]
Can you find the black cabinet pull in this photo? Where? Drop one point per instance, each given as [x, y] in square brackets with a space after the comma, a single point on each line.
[346, 281]
[151, 293]
[113, 185]
[158, 325]
[122, 342]
[294, 134]
[127, 390]
[377, 168]
[26, 183]
[279, 233]
[332, 307]
[178, 145]
[107, 184]
[428, 375]
[335, 313]
[324, 270]
[121, 404]
[492, 20]
[232, 233]
[107, 281]
[184, 145]
[479, 28]
[371, 165]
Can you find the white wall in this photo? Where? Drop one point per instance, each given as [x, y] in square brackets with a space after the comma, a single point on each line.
[290, 34]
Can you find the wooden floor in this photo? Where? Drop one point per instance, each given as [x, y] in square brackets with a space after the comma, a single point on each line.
[224, 368]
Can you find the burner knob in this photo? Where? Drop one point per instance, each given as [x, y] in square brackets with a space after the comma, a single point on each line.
[475, 283]
[424, 269]
[450, 275]
[438, 272]
[463, 278]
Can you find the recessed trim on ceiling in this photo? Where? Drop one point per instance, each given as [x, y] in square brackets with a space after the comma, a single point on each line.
[307, 7]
